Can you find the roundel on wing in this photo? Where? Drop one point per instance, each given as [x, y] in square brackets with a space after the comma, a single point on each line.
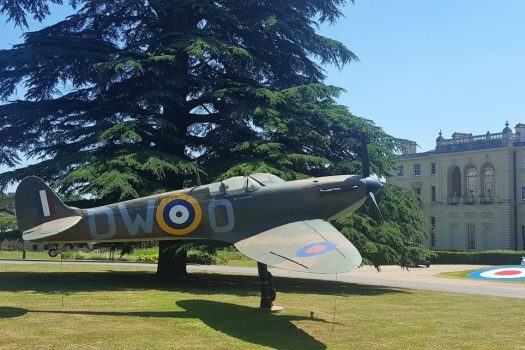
[315, 249]
[179, 215]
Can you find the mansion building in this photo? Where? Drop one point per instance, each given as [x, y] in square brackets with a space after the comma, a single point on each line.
[471, 189]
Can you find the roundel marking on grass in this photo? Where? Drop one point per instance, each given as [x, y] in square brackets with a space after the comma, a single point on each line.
[501, 273]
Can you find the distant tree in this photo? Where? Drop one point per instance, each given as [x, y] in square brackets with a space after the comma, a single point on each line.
[126, 98]
[7, 223]
[7, 202]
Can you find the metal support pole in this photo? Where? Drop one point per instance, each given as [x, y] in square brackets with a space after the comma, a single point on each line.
[266, 288]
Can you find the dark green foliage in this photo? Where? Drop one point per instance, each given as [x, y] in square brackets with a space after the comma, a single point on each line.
[7, 223]
[487, 257]
[7, 203]
[17, 10]
[396, 240]
[200, 257]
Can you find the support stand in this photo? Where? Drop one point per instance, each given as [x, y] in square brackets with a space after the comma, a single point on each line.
[268, 292]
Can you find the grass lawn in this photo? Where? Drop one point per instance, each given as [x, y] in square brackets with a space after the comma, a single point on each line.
[17, 254]
[241, 263]
[120, 307]
[457, 274]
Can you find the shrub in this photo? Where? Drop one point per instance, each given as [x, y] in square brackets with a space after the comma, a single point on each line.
[200, 257]
[79, 255]
[151, 255]
[222, 256]
[486, 257]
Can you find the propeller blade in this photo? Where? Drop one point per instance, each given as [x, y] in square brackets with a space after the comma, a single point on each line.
[373, 197]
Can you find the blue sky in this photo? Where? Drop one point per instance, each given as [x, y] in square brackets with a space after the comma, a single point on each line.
[424, 66]
[431, 65]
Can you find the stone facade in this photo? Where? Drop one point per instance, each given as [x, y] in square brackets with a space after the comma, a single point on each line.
[472, 189]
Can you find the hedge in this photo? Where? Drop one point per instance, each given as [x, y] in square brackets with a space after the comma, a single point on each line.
[486, 257]
[141, 255]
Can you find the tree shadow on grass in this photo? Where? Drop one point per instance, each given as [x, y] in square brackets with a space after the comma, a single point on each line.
[195, 283]
[11, 312]
[248, 324]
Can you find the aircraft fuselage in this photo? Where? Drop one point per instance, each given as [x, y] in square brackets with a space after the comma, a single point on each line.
[217, 212]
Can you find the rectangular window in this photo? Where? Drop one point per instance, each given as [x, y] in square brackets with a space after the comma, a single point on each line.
[417, 169]
[471, 237]
[418, 191]
[433, 193]
[523, 192]
[432, 231]
[433, 168]
[400, 170]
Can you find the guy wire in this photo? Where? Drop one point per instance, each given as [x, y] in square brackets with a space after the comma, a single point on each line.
[335, 305]
[5, 258]
[61, 281]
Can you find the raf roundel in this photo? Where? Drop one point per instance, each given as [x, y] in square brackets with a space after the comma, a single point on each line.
[315, 249]
[500, 273]
[179, 215]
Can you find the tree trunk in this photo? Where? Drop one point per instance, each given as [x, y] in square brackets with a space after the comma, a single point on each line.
[172, 260]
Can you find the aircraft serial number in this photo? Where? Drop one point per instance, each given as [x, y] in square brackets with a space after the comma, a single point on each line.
[176, 216]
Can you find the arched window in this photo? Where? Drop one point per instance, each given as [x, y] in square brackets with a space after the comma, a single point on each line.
[454, 182]
[472, 182]
[488, 181]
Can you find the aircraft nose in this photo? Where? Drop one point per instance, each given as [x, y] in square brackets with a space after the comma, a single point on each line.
[372, 184]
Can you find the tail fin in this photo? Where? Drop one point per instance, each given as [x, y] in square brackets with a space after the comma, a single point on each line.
[40, 212]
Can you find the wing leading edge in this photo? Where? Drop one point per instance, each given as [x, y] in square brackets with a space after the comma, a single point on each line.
[309, 246]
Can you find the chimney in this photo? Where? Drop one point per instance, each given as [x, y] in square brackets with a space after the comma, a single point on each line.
[520, 132]
[410, 148]
[460, 135]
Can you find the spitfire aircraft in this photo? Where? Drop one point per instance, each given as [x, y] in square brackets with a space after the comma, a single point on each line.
[275, 222]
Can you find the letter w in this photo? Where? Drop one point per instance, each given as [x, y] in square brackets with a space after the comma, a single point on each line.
[134, 226]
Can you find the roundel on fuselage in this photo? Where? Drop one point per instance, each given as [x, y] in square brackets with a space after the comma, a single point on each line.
[179, 215]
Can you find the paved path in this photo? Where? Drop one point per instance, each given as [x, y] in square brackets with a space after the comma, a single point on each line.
[394, 276]
[390, 276]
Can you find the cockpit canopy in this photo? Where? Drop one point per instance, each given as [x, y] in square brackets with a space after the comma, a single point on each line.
[266, 179]
[242, 184]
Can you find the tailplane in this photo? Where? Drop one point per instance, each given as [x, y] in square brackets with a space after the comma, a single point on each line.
[40, 212]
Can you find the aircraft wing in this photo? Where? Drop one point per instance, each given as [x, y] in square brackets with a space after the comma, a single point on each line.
[309, 246]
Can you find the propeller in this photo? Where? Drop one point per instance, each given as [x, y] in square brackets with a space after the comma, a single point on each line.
[373, 197]
[372, 184]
